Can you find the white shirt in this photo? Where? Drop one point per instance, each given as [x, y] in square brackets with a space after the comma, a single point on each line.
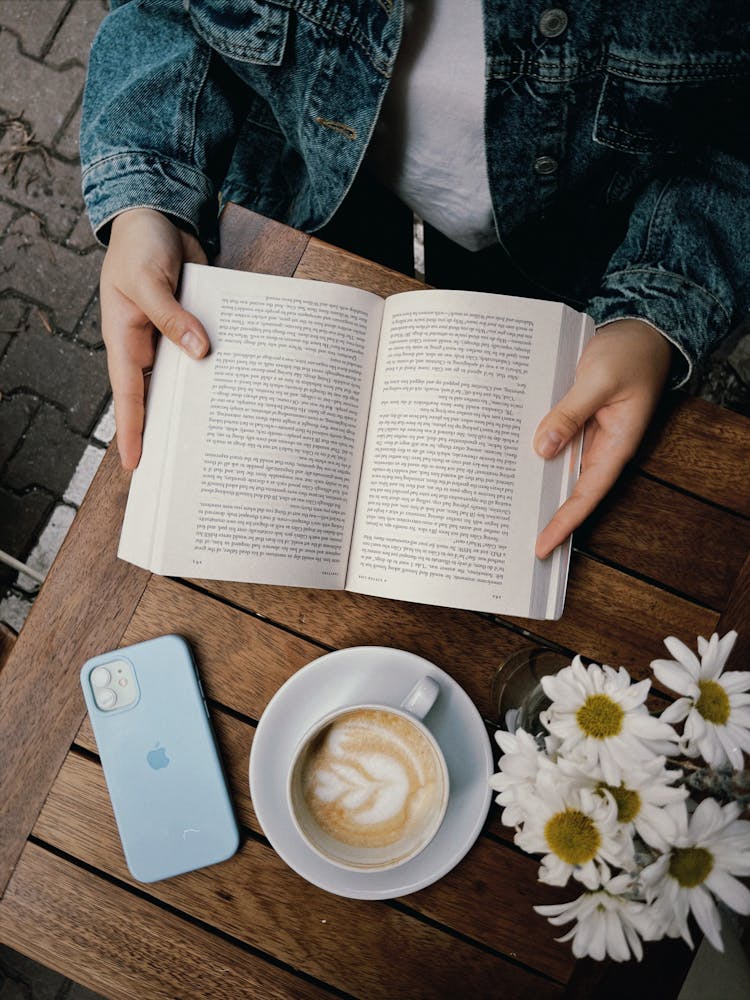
[428, 146]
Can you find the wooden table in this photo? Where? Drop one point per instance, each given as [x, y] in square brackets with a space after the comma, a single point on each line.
[666, 555]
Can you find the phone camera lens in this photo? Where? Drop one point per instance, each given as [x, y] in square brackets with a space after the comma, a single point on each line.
[106, 698]
[100, 676]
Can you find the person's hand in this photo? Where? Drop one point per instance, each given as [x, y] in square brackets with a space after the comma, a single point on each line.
[138, 280]
[619, 379]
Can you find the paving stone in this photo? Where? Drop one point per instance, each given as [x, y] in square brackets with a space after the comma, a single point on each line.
[59, 370]
[37, 267]
[34, 21]
[21, 520]
[43, 95]
[78, 992]
[5, 339]
[44, 552]
[105, 429]
[14, 610]
[6, 215]
[12, 313]
[48, 454]
[82, 237]
[84, 474]
[74, 38]
[15, 416]
[67, 144]
[49, 187]
[89, 329]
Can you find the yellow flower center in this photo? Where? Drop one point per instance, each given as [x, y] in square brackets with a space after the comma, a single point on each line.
[572, 836]
[600, 716]
[628, 802]
[713, 703]
[690, 865]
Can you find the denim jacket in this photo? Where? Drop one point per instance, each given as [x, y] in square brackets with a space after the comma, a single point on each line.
[617, 136]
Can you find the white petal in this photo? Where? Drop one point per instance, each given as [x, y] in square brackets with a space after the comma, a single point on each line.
[677, 711]
[726, 644]
[735, 681]
[617, 946]
[675, 677]
[636, 694]
[730, 746]
[711, 663]
[729, 890]
[707, 916]
[684, 655]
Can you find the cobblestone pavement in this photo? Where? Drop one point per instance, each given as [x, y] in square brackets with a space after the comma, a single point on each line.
[55, 418]
[53, 377]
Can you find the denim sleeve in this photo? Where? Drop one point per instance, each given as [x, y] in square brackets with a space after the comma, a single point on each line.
[683, 265]
[160, 119]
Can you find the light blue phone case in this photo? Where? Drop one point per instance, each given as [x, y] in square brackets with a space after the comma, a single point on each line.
[161, 764]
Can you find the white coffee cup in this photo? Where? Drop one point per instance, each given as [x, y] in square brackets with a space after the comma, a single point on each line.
[368, 784]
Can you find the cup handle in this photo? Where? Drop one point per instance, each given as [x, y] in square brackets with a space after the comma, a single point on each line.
[421, 698]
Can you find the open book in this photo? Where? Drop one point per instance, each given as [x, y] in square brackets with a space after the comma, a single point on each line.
[336, 439]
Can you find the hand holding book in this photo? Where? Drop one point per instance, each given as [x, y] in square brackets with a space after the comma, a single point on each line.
[619, 379]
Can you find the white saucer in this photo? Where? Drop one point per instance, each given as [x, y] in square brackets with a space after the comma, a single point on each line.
[382, 675]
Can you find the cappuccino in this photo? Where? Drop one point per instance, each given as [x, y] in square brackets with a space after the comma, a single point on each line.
[369, 788]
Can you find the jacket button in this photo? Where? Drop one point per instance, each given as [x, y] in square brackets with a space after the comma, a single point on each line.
[545, 165]
[553, 22]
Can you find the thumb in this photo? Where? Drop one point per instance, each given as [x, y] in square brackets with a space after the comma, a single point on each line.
[568, 417]
[156, 298]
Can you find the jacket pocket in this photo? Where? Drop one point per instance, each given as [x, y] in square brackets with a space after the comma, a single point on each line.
[250, 31]
[653, 108]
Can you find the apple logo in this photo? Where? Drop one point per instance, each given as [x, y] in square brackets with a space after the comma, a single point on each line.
[157, 758]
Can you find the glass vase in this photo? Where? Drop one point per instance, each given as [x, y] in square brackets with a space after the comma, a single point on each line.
[517, 692]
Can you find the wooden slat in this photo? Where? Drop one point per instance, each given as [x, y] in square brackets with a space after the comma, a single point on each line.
[69, 622]
[255, 898]
[124, 947]
[615, 619]
[657, 532]
[701, 448]
[737, 616]
[242, 661]
[609, 617]
[324, 262]
[250, 242]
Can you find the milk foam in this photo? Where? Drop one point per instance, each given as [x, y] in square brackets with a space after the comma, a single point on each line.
[371, 779]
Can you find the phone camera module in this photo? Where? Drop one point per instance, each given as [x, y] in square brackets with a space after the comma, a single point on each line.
[113, 685]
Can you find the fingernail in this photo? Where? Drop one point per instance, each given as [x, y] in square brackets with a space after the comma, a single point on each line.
[549, 445]
[192, 344]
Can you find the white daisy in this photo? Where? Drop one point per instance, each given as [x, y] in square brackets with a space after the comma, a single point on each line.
[606, 921]
[519, 767]
[640, 797]
[709, 849]
[600, 717]
[714, 707]
[575, 829]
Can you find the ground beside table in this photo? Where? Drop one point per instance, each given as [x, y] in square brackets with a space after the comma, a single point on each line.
[664, 557]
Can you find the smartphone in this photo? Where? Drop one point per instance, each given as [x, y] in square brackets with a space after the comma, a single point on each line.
[160, 760]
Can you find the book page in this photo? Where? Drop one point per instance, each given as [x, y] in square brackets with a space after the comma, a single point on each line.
[449, 504]
[260, 476]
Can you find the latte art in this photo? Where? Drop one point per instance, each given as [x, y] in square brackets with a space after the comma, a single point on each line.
[371, 779]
